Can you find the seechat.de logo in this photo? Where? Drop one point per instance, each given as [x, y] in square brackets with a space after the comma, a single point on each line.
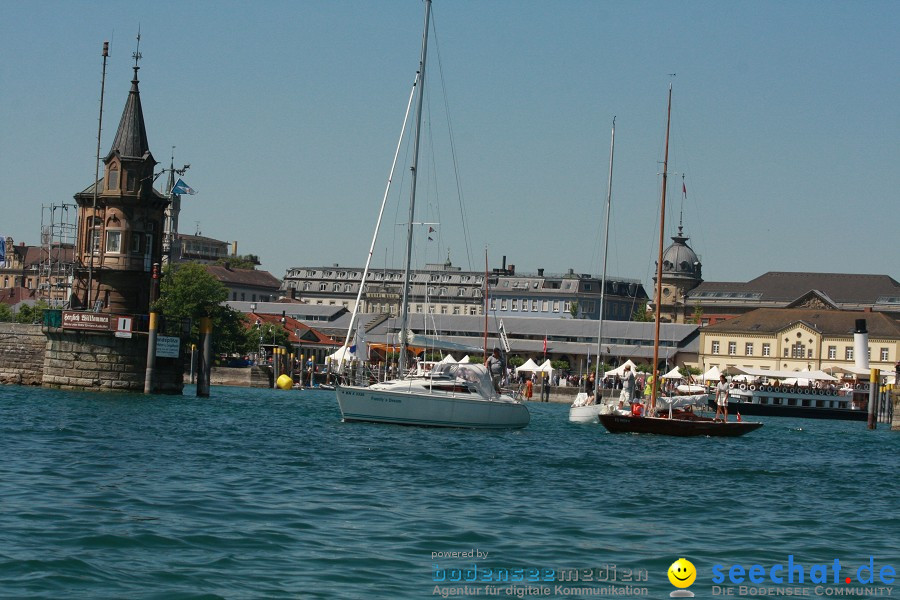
[682, 574]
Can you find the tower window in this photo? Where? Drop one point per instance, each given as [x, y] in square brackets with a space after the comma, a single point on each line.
[113, 241]
[112, 182]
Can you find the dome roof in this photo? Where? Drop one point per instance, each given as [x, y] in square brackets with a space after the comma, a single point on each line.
[679, 260]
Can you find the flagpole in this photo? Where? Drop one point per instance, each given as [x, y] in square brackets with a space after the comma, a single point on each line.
[92, 238]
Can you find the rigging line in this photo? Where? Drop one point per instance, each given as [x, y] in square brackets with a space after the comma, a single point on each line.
[387, 191]
[459, 191]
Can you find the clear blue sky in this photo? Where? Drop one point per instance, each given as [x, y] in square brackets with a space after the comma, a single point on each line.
[785, 124]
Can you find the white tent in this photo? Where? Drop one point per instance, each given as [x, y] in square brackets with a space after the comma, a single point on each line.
[464, 360]
[342, 354]
[620, 370]
[529, 365]
[673, 374]
[712, 375]
[545, 367]
[448, 360]
[816, 375]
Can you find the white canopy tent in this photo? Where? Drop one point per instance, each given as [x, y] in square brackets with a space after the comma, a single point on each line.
[448, 360]
[545, 367]
[712, 375]
[529, 366]
[673, 374]
[811, 375]
[464, 360]
[620, 370]
[341, 354]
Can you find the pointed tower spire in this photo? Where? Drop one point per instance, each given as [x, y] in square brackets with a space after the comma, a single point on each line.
[131, 137]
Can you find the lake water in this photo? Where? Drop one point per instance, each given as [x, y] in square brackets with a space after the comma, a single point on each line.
[267, 494]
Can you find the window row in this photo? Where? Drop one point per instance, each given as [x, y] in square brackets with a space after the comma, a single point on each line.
[797, 350]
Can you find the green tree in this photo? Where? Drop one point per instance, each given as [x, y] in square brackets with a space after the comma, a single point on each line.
[515, 361]
[6, 313]
[31, 314]
[641, 315]
[188, 291]
[256, 335]
[697, 316]
[573, 308]
[246, 261]
[560, 365]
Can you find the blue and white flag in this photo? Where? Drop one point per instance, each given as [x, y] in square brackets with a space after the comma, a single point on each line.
[182, 188]
[2, 250]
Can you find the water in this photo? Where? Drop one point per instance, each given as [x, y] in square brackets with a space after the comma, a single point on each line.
[266, 494]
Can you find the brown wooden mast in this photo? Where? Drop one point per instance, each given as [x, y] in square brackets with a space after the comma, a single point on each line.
[659, 261]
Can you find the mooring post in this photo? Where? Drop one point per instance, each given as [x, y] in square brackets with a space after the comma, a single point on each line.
[151, 355]
[205, 357]
[151, 332]
[874, 376]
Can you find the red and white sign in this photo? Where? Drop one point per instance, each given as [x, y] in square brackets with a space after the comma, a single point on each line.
[123, 327]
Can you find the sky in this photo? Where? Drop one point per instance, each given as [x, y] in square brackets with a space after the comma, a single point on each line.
[785, 127]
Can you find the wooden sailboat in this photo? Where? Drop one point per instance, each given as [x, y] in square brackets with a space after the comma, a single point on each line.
[682, 423]
[450, 395]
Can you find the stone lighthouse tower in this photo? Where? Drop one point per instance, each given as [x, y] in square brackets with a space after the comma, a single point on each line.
[120, 221]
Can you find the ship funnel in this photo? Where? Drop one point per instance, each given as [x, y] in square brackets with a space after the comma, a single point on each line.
[861, 345]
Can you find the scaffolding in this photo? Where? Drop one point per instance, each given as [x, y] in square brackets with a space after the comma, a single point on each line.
[57, 258]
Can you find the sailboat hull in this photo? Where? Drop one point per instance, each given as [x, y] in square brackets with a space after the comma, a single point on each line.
[676, 427]
[429, 410]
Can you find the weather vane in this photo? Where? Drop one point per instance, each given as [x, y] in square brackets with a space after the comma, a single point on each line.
[136, 55]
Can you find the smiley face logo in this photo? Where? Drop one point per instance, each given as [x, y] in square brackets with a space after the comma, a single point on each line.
[682, 573]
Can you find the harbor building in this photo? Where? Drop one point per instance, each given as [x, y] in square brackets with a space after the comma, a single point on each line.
[788, 339]
[686, 298]
[43, 272]
[448, 290]
[246, 284]
[716, 301]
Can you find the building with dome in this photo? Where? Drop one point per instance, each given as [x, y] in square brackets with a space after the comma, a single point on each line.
[681, 273]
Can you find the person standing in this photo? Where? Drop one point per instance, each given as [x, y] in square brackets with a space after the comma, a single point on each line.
[496, 368]
[545, 389]
[627, 394]
[722, 399]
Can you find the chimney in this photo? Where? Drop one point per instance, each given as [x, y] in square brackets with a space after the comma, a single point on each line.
[861, 345]
[540, 272]
[234, 248]
[504, 262]
[293, 293]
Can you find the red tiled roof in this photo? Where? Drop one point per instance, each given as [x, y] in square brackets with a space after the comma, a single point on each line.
[297, 332]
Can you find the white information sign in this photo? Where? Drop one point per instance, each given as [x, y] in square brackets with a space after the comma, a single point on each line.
[167, 346]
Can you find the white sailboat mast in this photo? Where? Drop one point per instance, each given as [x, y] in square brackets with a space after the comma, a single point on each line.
[404, 305]
[612, 147]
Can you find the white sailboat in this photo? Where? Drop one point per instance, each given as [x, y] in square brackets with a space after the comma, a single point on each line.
[449, 395]
[580, 411]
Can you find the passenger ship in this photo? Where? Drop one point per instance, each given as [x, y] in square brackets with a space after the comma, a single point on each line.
[820, 396]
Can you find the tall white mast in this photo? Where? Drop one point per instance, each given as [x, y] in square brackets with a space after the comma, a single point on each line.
[612, 146]
[404, 305]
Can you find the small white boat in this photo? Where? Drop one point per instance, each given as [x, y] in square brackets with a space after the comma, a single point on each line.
[450, 395]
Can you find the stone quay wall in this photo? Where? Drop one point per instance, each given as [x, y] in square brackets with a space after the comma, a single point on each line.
[22, 350]
[86, 360]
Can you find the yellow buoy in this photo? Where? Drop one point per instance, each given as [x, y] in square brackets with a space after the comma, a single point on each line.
[284, 382]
